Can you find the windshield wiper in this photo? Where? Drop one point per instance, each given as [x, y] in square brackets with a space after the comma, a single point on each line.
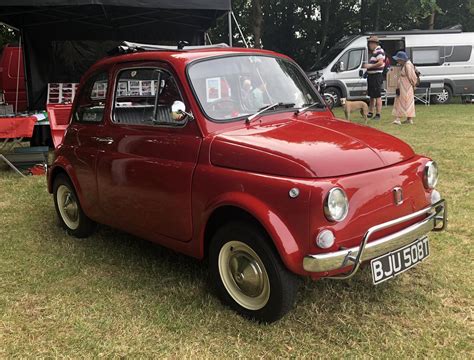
[266, 108]
[315, 104]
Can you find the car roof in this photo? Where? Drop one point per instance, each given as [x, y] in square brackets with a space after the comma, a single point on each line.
[186, 56]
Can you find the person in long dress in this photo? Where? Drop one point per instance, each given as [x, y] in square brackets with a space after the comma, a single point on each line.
[404, 106]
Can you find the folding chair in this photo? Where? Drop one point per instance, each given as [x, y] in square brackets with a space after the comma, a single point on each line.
[423, 93]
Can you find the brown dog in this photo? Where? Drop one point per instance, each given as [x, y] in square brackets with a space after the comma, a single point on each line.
[350, 106]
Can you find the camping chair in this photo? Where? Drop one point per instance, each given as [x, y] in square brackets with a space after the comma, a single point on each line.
[23, 158]
[423, 93]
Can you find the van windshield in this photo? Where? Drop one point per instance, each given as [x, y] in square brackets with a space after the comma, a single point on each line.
[233, 87]
[330, 54]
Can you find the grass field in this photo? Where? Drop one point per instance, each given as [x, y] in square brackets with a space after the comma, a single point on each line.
[113, 295]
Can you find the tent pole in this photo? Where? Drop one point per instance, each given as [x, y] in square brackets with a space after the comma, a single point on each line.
[18, 75]
[229, 16]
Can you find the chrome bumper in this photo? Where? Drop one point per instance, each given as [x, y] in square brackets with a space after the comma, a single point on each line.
[436, 220]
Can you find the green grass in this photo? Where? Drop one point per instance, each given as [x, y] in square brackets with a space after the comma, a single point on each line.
[114, 295]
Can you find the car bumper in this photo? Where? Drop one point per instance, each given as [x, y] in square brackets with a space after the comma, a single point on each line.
[436, 220]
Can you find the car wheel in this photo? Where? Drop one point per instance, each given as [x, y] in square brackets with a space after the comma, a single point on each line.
[444, 97]
[329, 100]
[69, 210]
[335, 93]
[249, 275]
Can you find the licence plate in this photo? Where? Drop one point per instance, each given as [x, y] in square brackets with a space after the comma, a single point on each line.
[394, 263]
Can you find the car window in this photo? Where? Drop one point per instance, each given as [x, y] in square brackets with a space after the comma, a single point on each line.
[144, 96]
[457, 53]
[355, 58]
[351, 59]
[426, 56]
[91, 101]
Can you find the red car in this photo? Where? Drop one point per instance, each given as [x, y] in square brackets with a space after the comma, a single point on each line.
[232, 155]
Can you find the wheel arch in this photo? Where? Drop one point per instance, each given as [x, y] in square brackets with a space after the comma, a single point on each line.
[257, 213]
[338, 84]
[54, 173]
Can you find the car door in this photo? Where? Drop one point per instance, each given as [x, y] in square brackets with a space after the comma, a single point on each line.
[145, 171]
[348, 67]
[81, 138]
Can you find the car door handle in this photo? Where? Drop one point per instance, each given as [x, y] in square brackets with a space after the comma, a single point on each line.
[106, 140]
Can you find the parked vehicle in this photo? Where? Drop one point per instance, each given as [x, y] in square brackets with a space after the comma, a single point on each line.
[321, 88]
[12, 75]
[231, 155]
[444, 58]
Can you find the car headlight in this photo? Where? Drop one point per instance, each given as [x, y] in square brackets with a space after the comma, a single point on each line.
[430, 175]
[336, 205]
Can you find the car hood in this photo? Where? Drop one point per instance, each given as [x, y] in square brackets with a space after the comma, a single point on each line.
[321, 147]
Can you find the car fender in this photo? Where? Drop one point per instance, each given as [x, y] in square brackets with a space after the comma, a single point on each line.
[283, 239]
[62, 164]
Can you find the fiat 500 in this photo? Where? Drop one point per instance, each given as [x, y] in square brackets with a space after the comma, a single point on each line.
[232, 155]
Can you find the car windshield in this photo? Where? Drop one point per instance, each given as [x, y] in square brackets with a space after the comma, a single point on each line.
[232, 87]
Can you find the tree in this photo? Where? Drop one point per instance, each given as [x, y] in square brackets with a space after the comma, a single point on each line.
[7, 36]
[257, 23]
[306, 29]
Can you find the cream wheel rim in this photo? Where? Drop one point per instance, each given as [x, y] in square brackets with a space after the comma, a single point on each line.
[244, 276]
[68, 207]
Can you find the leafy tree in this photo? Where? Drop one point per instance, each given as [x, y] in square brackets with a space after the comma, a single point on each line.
[306, 29]
[7, 36]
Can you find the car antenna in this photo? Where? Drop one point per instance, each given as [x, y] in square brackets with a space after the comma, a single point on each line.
[182, 44]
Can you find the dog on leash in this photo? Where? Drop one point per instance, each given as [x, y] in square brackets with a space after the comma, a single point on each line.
[351, 106]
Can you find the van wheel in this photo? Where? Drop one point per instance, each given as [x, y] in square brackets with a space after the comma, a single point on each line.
[248, 274]
[69, 210]
[335, 93]
[444, 97]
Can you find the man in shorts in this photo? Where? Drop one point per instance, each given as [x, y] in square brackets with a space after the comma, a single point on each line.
[375, 69]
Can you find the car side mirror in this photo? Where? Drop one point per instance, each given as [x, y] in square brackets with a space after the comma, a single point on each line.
[361, 73]
[178, 111]
[340, 66]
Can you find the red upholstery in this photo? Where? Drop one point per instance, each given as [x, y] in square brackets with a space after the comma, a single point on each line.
[59, 116]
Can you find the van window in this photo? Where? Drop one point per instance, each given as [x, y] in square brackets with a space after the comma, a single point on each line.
[426, 56]
[144, 96]
[351, 59]
[91, 103]
[458, 53]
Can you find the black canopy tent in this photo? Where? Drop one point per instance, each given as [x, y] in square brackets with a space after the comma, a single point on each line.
[62, 38]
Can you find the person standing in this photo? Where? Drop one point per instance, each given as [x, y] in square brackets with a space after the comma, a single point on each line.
[375, 69]
[404, 105]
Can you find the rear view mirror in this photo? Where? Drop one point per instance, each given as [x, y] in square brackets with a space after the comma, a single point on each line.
[361, 73]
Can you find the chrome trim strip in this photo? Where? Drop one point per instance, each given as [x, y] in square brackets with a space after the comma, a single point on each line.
[435, 221]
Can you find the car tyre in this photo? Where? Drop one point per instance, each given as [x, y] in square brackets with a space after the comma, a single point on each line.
[71, 216]
[444, 97]
[248, 274]
[335, 93]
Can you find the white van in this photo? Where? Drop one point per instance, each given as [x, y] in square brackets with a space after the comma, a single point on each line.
[444, 57]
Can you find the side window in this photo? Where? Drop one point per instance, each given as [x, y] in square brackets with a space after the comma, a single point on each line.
[351, 60]
[91, 103]
[426, 56]
[458, 53]
[355, 58]
[145, 96]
